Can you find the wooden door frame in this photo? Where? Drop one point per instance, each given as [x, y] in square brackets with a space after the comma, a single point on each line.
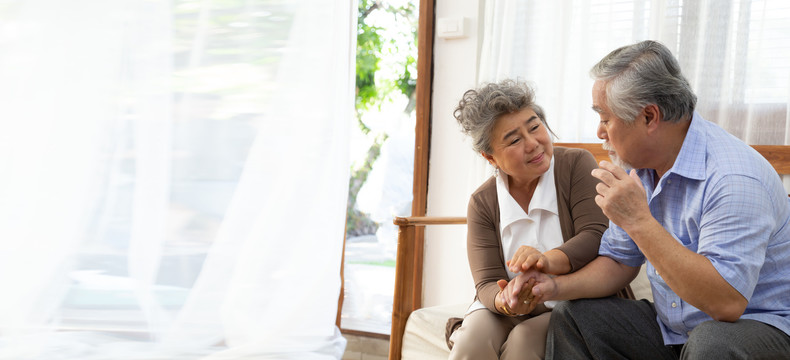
[422, 140]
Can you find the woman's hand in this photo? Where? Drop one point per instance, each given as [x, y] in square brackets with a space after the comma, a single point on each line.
[527, 257]
[516, 296]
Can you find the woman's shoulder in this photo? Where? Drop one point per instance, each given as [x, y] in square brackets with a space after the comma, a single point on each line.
[570, 153]
[570, 157]
[486, 190]
[485, 193]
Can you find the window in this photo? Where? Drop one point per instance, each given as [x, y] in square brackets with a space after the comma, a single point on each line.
[382, 168]
[735, 54]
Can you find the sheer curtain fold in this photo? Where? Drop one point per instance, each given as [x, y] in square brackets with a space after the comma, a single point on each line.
[164, 197]
[734, 53]
[50, 144]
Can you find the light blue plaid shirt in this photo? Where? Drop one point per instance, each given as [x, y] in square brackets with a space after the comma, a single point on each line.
[720, 199]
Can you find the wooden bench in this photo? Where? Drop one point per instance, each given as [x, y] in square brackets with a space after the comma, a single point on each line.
[409, 260]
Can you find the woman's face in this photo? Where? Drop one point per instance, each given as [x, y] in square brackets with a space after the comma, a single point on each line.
[521, 146]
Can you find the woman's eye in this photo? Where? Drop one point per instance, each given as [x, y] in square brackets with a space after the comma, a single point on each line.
[515, 141]
[532, 129]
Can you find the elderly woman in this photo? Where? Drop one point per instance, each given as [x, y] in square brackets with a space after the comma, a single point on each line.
[537, 211]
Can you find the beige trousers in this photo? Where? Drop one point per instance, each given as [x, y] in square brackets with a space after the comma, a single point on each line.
[486, 335]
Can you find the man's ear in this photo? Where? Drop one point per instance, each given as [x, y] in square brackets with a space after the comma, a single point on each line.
[652, 116]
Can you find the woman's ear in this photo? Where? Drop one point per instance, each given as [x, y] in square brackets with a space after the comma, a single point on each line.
[489, 158]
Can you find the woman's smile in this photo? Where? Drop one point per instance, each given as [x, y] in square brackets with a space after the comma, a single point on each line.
[538, 158]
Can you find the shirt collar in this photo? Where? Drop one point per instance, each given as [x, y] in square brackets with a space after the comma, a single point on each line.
[692, 153]
[691, 158]
[544, 198]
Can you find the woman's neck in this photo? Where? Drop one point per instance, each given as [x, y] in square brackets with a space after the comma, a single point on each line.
[522, 191]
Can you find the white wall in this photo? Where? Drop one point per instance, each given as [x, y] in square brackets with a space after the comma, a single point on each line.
[454, 169]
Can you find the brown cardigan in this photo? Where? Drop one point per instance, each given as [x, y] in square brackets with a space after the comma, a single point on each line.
[581, 220]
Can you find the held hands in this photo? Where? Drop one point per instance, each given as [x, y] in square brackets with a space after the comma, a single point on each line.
[516, 296]
[515, 302]
[524, 292]
[620, 195]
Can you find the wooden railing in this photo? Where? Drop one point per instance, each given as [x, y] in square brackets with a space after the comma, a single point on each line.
[408, 274]
[777, 155]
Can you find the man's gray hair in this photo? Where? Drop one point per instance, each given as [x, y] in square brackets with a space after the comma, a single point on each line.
[641, 74]
[479, 109]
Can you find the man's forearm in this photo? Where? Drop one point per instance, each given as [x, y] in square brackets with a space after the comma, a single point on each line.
[600, 278]
[706, 290]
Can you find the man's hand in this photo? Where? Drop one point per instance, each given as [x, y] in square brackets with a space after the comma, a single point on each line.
[621, 196]
[519, 294]
[545, 287]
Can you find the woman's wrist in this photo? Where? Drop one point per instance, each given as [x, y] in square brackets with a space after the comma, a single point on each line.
[504, 309]
[507, 312]
[560, 263]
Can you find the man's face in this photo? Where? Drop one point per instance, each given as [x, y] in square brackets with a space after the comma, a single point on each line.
[620, 139]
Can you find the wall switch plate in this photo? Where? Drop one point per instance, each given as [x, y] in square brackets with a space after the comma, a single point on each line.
[451, 27]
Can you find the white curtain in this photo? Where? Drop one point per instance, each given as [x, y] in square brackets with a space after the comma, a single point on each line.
[174, 178]
[735, 54]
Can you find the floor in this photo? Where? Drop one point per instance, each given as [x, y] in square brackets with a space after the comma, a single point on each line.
[365, 348]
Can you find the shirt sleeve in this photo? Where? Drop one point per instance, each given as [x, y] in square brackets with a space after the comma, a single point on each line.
[617, 245]
[735, 227]
[484, 252]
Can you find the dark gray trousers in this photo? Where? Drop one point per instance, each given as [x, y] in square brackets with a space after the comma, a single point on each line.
[615, 328]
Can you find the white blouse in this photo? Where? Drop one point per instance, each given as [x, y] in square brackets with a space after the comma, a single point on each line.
[538, 228]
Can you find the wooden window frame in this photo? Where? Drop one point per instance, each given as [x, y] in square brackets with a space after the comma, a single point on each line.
[422, 140]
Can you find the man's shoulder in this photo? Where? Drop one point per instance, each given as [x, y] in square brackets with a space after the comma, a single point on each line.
[732, 166]
[737, 158]
[728, 155]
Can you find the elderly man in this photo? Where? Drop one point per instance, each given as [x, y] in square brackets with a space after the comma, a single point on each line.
[706, 212]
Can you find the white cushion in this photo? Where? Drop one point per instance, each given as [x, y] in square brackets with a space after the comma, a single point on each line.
[424, 339]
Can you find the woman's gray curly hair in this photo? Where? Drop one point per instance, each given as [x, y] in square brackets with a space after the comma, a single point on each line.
[479, 109]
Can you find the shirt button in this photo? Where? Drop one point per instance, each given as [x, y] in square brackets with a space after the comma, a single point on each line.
[669, 182]
[674, 304]
[656, 272]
